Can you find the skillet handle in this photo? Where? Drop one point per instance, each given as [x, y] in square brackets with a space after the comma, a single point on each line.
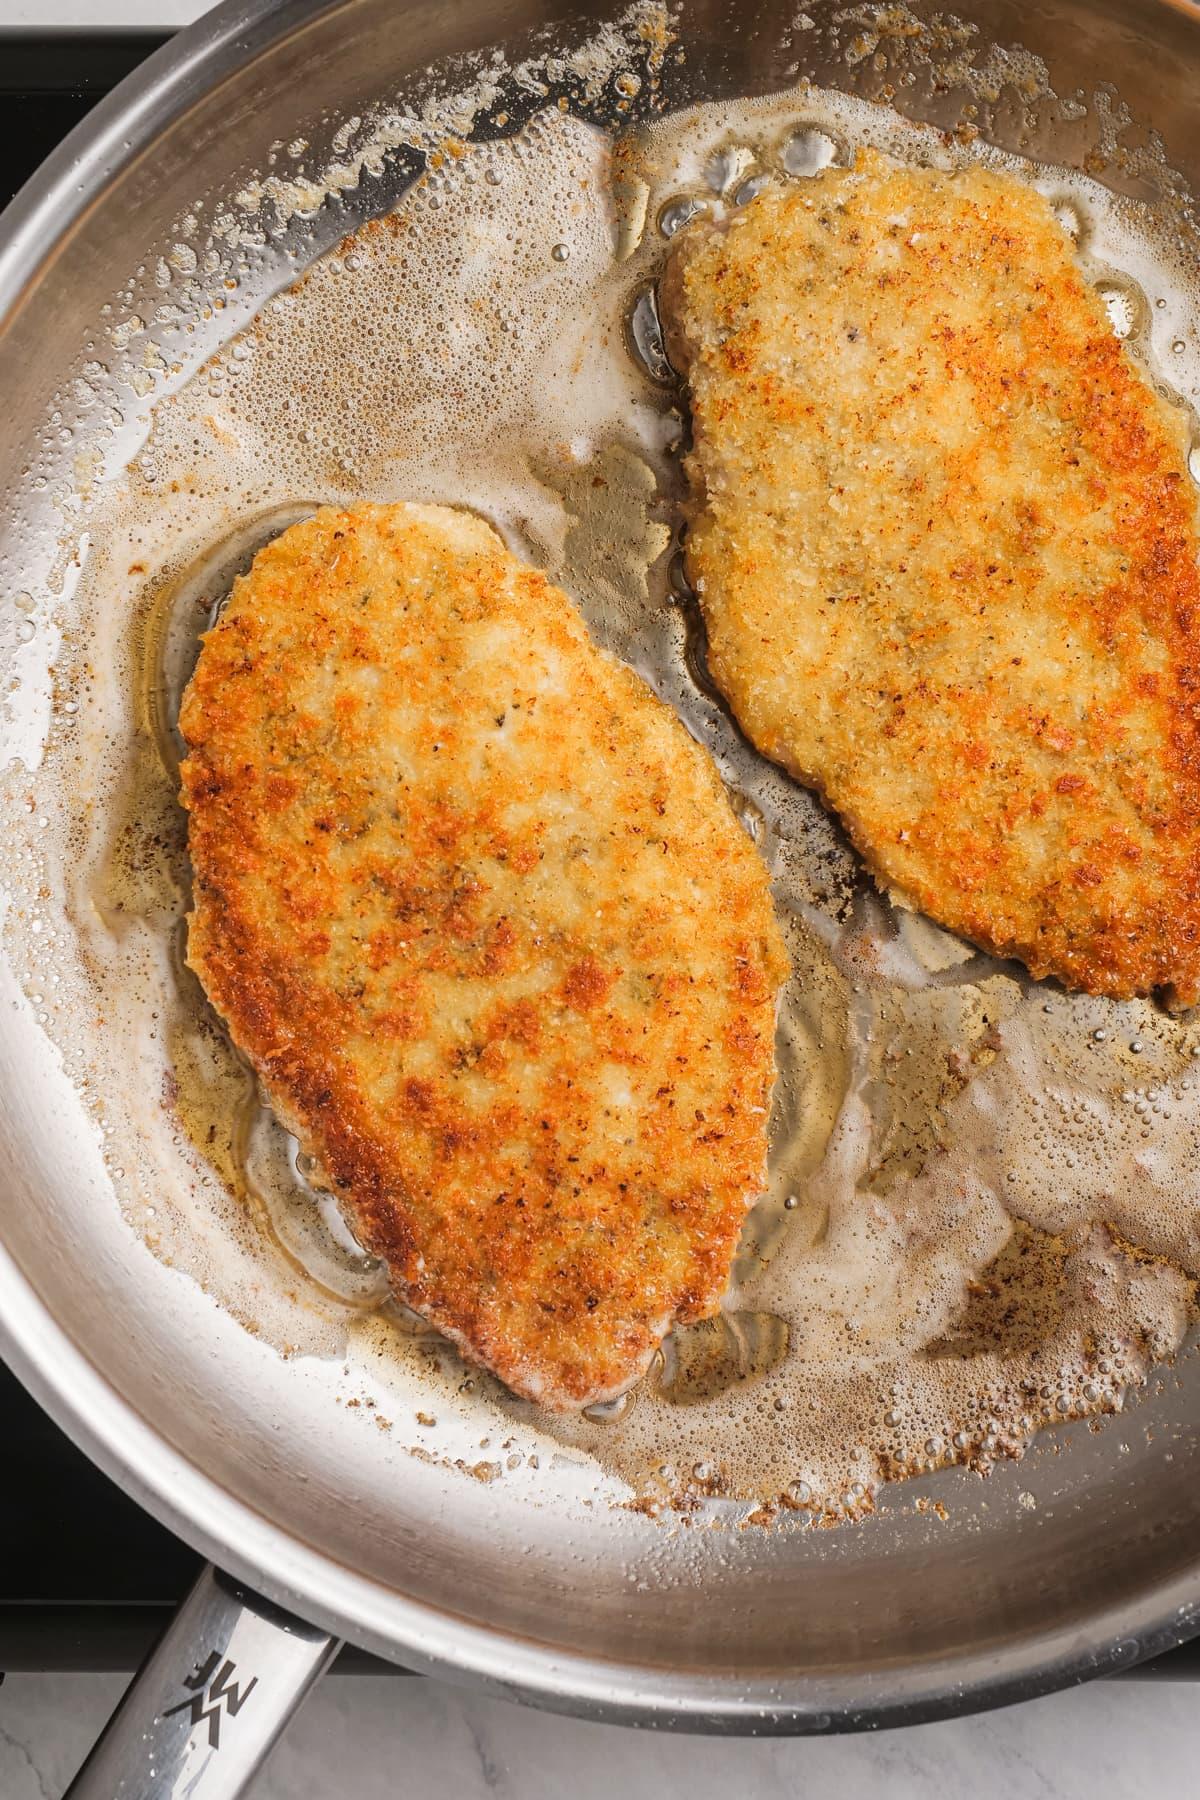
[210, 1701]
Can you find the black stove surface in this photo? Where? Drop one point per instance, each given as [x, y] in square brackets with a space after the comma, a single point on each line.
[48, 82]
[87, 1579]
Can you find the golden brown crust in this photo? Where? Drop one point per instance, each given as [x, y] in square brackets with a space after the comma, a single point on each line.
[476, 907]
[947, 552]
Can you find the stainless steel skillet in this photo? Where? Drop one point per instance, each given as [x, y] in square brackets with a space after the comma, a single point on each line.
[246, 1454]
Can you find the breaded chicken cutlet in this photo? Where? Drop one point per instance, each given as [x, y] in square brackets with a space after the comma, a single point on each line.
[477, 909]
[946, 547]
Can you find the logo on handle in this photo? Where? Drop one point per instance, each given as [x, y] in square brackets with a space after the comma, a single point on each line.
[213, 1689]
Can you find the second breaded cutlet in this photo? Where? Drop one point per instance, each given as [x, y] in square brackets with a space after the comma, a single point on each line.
[945, 542]
[479, 912]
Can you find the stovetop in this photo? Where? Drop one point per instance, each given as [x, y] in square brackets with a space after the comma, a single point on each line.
[48, 81]
[87, 1579]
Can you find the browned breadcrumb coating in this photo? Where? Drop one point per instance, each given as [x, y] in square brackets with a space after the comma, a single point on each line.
[477, 909]
[946, 547]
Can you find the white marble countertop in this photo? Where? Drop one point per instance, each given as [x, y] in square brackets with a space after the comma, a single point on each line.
[382, 1738]
[98, 15]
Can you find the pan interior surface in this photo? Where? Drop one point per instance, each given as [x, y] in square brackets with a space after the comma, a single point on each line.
[525, 1567]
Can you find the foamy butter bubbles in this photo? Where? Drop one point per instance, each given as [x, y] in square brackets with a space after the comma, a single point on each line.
[927, 1278]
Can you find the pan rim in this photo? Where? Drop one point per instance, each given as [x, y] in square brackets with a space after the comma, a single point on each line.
[433, 1641]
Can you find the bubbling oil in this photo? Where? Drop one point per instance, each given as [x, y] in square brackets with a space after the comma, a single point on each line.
[981, 1213]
